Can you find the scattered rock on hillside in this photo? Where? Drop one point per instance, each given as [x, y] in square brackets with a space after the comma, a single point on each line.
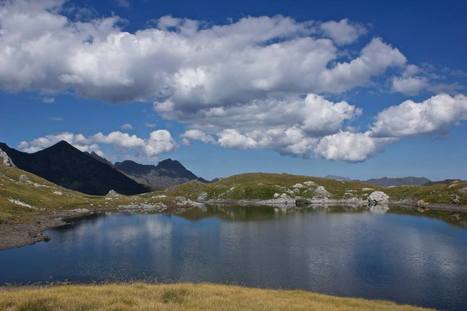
[298, 186]
[203, 196]
[23, 178]
[422, 204]
[463, 190]
[5, 159]
[309, 183]
[112, 194]
[321, 193]
[378, 198]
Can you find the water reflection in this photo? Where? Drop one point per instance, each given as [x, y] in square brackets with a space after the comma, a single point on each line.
[404, 258]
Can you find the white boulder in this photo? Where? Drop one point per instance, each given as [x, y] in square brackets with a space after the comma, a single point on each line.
[5, 159]
[321, 193]
[378, 198]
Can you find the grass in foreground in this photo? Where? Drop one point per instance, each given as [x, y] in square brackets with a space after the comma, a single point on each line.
[140, 296]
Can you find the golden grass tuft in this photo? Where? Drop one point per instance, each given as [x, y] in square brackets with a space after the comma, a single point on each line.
[174, 297]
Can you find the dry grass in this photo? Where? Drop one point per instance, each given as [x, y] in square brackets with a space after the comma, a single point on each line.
[140, 296]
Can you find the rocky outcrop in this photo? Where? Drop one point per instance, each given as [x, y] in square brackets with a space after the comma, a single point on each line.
[321, 193]
[378, 198]
[279, 199]
[5, 159]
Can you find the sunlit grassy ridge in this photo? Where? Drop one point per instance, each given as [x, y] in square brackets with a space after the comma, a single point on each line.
[140, 296]
[263, 186]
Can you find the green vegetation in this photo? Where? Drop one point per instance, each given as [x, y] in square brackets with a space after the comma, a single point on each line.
[140, 296]
[24, 195]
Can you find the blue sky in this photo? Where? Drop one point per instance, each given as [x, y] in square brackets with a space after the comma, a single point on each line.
[349, 122]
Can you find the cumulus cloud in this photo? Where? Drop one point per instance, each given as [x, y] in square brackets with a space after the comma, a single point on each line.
[180, 62]
[256, 82]
[343, 31]
[348, 146]
[195, 134]
[410, 118]
[158, 142]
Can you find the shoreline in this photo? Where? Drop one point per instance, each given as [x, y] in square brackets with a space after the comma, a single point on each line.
[14, 235]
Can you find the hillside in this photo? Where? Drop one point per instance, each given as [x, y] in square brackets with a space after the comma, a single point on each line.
[68, 167]
[166, 173]
[140, 296]
[264, 186]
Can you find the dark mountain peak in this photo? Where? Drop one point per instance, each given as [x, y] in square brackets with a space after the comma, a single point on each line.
[170, 164]
[166, 173]
[71, 168]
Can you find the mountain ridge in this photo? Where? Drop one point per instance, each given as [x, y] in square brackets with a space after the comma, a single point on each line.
[166, 173]
[71, 168]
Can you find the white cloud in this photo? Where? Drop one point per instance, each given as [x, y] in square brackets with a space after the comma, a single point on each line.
[231, 138]
[126, 126]
[409, 85]
[347, 146]
[195, 134]
[158, 142]
[343, 31]
[184, 62]
[410, 118]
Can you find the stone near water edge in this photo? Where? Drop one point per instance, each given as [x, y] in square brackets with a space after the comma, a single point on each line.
[378, 198]
[203, 196]
[321, 193]
[112, 194]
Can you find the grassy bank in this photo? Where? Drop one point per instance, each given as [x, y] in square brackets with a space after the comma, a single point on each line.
[140, 296]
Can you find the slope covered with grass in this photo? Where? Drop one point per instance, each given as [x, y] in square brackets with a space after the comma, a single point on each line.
[140, 296]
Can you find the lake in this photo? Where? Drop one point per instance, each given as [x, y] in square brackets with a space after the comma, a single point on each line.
[403, 258]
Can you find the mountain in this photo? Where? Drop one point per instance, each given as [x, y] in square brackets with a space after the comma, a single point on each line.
[387, 181]
[167, 173]
[68, 167]
[339, 178]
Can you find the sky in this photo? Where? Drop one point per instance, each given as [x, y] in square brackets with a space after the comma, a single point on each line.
[361, 89]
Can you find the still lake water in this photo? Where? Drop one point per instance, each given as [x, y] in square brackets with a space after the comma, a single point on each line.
[407, 259]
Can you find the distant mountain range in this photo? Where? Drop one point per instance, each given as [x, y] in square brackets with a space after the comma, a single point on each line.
[388, 181]
[89, 173]
[165, 174]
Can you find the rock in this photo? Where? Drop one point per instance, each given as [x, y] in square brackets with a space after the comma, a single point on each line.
[422, 204]
[348, 195]
[112, 194]
[309, 183]
[58, 193]
[367, 189]
[298, 186]
[321, 193]
[276, 195]
[378, 198]
[203, 196]
[5, 159]
[21, 203]
[23, 178]
[462, 191]
[455, 199]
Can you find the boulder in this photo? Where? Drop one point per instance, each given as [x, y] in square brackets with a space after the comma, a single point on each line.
[321, 193]
[378, 198]
[5, 159]
[462, 190]
[203, 196]
[112, 194]
[309, 183]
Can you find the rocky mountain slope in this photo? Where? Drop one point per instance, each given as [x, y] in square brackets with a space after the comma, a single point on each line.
[67, 166]
[165, 174]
